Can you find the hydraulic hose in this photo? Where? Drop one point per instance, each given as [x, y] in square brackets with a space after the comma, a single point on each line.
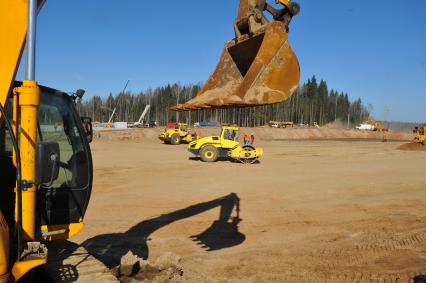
[18, 178]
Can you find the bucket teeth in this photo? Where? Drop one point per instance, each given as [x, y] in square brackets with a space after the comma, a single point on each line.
[253, 70]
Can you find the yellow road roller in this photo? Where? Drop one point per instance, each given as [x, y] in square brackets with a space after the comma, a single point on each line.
[226, 145]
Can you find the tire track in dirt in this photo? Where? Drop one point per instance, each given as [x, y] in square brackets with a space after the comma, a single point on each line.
[332, 264]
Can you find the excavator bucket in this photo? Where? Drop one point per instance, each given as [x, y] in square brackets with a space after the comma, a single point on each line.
[258, 67]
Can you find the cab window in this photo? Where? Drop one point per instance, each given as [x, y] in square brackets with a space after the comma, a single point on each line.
[229, 135]
[57, 123]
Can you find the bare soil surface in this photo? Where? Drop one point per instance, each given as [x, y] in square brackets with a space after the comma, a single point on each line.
[264, 133]
[412, 147]
[310, 211]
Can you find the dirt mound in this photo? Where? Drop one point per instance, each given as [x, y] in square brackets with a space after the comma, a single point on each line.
[261, 133]
[165, 269]
[335, 125]
[412, 147]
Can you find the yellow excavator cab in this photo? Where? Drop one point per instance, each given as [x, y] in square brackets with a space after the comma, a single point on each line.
[258, 67]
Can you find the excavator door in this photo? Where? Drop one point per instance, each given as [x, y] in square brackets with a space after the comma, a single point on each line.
[258, 67]
[63, 203]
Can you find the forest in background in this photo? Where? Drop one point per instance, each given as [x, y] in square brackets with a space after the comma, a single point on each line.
[313, 102]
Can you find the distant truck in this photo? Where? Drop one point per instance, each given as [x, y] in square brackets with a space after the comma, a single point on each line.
[206, 124]
[151, 124]
[141, 123]
[367, 127]
[275, 124]
[371, 125]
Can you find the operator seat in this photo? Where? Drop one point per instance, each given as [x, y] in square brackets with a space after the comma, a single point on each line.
[78, 166]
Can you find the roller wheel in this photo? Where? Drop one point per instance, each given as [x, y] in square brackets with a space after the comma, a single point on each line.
[175, 139]
[248, 149]
[209, 153]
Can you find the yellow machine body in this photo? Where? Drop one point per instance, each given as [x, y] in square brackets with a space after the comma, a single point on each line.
[13, 28]
[377, 125]
[26, 99]
[177, 135]
[420, 132]
[226, 145]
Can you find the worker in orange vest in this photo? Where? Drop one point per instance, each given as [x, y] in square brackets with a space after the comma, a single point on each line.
[246, 139]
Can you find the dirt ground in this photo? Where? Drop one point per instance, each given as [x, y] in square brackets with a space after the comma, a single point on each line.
[310, 211]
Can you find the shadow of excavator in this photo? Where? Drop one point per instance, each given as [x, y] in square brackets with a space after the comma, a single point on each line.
[223, 233]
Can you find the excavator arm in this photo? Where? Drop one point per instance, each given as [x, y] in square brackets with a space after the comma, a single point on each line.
[13, 40]
[285, 15]
[251, 18]
[12, 44]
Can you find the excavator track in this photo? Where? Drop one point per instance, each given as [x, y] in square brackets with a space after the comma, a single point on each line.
[76, 265]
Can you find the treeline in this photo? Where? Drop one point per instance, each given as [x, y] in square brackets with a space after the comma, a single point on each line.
[312, 102]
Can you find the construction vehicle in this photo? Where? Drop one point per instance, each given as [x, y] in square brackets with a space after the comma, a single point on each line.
[206, 124]
[258, 66]
[420, 134]
[46, 169]
[45, 159]
[151, 124]
[177, 135]
[109, 124]
[226, 145]
[275, 124]
[141, 122]
[370, 125]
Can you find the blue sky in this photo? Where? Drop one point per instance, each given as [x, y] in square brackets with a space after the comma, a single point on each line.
[369, 49]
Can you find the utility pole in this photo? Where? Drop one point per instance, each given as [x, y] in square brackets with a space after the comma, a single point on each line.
[335, 108]
[122, 95]
[349, 117]
[177, 102]
[386, 114]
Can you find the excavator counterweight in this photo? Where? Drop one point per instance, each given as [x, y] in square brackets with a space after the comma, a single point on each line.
[258, 67]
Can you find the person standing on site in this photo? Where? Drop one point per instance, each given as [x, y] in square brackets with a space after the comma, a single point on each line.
[246, 139]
